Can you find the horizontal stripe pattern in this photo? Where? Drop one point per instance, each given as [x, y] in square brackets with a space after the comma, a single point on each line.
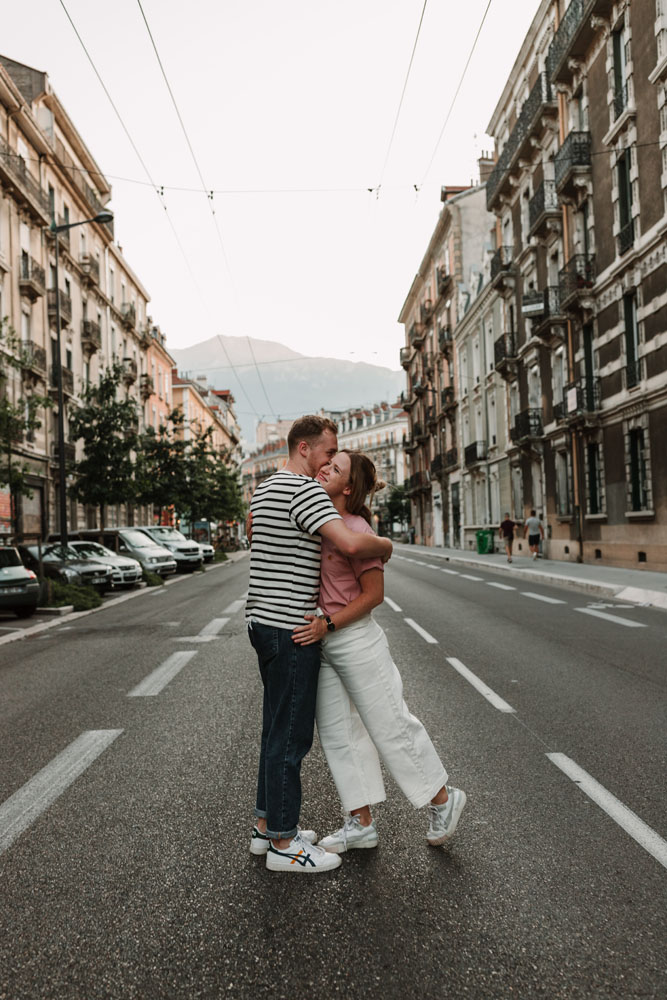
[287, 511]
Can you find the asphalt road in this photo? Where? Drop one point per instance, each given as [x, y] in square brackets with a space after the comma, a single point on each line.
[127, 784]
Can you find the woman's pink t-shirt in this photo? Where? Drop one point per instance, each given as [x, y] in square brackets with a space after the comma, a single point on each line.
[339, 576]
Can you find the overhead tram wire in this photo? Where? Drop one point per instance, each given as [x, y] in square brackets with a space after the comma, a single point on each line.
[400, 103]
[456, 94]
[158, 190]
[209, 196]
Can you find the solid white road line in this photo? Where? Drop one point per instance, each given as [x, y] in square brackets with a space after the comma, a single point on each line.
[480, 686]
[467, 576]
[629, 821]
[160, 677]
[234, 607]
[611, 618]
[500, 586]
[422, 632]
[214, 626]
[542, 597]
[392, 604]
[21, 809]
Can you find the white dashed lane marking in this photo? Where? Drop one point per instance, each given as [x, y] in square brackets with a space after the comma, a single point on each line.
[611, 618]
[159, 678]
[626, 819]
[234, 607]
[479, 685]
[542, 597]
[500, 586]
[19, 811]
[392, 604]
[420, 631]
[467, 576]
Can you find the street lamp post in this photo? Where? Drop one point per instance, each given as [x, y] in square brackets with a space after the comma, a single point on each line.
[104, 216]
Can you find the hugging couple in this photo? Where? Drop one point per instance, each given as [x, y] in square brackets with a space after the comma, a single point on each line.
[316, 573]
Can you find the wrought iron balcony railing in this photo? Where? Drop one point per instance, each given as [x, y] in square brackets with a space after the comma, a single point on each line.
[405, 356]
[447, 397]
[90, 267]
[451, 458]
[577, 277]
[504, 348]
[582, 396]
[67, 377]
[15, 165]
[626, 237]
[128, 311]
[34, 356]
[445, 338]
[573, 156]
[501, 261]
[32, 281]
[633, 373]
[542, 205]
[91, 334]
[475, 452]
[527, 424]
[574, 34]
[65, 305]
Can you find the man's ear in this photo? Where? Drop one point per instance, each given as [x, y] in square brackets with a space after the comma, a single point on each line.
[303, 448]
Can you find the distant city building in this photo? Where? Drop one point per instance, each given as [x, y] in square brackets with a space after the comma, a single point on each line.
[268, 431]
[260, 465]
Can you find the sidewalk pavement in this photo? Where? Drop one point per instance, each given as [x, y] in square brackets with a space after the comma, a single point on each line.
[632, 585]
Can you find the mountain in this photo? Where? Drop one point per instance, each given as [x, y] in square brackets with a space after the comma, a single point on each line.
[294, 384]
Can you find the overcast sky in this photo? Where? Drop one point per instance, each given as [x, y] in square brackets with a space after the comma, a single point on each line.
[300, 94]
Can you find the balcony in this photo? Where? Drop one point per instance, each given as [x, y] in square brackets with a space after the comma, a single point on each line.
[65, 306]
[447, 397]
[32, 282]
[91, 270]
[410, 445]
[559, 411]
[416, 334]
[33, 358]
[576, 280]
[14, 173]
[147, 387]
[418, 481]
[527, 426]
[421, 433]
[443, 280]
[431, 416]
[539, 103]
[502, 268]
[474, 453]
[128, 312]
[408, 400]
[633, 373]
[67, 377]
[582, 401]
[91, 336]
[544, 211]
[418, 387]
[129, 371]
[504, 350]
[572, 164]
[552, 320]
[626, 237]
[69, 450]
[451, 458]
[575, 34]
[437, 466]
[445, 339]
[406, 357]
[532, 305]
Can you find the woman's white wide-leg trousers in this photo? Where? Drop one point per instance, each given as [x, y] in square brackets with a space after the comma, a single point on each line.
[361, 713]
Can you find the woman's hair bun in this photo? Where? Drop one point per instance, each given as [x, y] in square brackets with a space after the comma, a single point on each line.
[379, 485]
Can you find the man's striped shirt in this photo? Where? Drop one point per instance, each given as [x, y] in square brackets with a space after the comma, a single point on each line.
[287, 509]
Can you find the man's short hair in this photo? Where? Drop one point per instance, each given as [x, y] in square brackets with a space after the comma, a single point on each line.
[308, 428]
[532, 513]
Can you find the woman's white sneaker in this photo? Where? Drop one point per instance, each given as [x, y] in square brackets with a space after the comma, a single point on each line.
[444, 819]
[300, 856]
[351, 835]
[259, 842]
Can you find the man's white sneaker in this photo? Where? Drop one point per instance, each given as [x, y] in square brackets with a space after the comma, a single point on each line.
[300, 856]
[351, 835]
[444, 819]
[259, 842]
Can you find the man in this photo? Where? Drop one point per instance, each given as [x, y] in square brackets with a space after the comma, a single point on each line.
[290, 511]
[535, 532]
[506, 532]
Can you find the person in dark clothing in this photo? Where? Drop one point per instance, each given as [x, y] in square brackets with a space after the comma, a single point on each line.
[506, 532]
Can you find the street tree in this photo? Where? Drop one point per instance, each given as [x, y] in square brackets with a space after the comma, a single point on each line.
[107, 424]
[19, 417]
[398, 507]
[160, 472]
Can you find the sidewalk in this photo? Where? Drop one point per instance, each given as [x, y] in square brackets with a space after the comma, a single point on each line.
[632, 585]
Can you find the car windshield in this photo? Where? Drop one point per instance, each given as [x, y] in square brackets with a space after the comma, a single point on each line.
[62, 552]
[9, 557]
[137, 540]
[167, 534]
[92, 549]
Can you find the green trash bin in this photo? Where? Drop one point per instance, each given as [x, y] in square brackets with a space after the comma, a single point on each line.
[484, 541]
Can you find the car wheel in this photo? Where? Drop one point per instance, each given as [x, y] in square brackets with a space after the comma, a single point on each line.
[24, 612]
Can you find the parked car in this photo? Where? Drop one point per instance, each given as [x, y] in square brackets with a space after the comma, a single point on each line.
[186, 552]
[207, 551]
[133, 544]
[19, 586]
[125, 572]
[63, 563]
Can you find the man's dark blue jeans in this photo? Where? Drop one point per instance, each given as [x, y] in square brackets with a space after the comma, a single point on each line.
[289, 675]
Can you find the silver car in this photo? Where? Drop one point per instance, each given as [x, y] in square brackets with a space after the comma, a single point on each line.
[125, 572]
[154, 558]
[186, 552]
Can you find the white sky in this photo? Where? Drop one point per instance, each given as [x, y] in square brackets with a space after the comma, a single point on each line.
[298, 94]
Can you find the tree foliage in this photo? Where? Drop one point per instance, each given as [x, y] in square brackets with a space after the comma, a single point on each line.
[398, 506]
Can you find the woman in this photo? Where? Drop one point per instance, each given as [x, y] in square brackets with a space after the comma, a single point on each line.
[360, 708]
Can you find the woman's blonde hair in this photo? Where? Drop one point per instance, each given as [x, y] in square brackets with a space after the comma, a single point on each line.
[363, 481]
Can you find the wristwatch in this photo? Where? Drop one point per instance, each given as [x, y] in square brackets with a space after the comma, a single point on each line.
[330, 625]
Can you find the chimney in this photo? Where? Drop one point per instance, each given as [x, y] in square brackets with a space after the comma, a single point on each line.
[486, 164]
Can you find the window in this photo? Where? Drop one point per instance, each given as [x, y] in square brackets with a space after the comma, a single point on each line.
[626, 225]
[618, 74]
[52, 202]
[632, 359]
[25, 327]
[637, 470]
[563, 502]
[112, 285]
[594, 481]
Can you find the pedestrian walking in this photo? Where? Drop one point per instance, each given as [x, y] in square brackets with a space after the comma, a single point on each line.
[290, 513]
[506, 532]
[535, 532]
[361, 713]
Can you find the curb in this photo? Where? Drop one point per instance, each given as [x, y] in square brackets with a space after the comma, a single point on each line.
[634, 595]
[61, 617]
